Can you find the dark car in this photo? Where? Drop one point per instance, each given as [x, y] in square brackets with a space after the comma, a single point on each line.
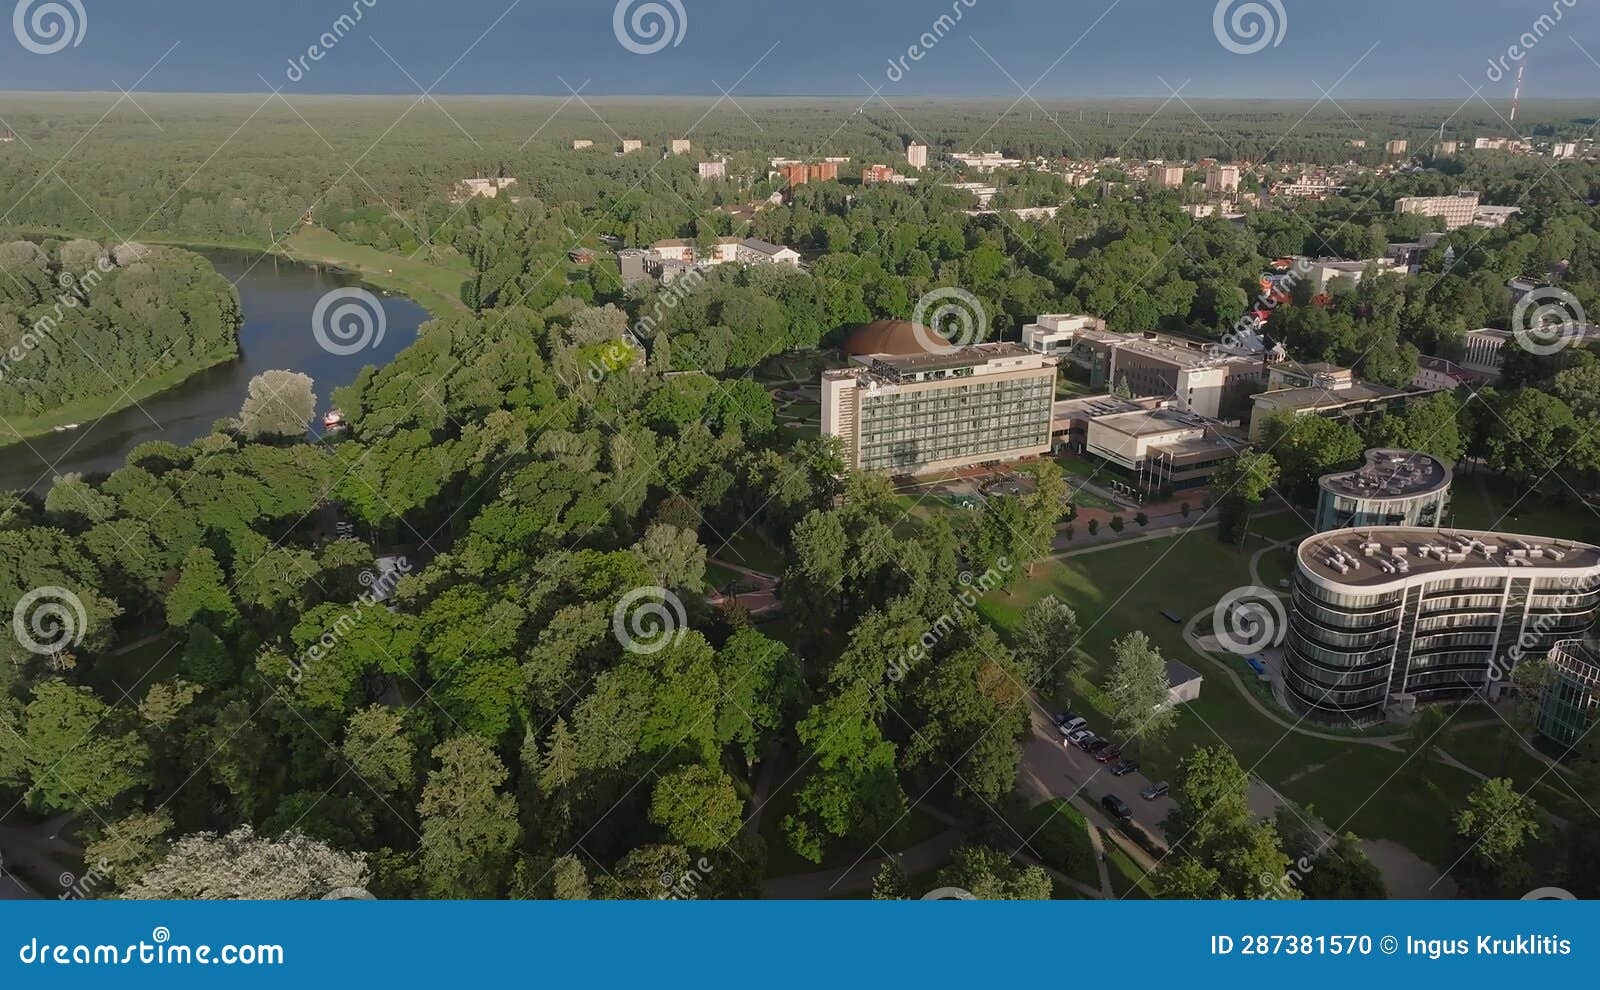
[1118, 807]
[1122, 768]
[1154, 791]
[1107, 753]
[1093, 744]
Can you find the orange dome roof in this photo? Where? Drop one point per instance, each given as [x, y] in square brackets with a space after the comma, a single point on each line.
[898, 337]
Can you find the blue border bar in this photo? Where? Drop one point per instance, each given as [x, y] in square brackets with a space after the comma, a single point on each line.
[811, 944]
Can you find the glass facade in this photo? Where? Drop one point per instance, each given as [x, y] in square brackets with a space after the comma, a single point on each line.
[901, 431]
[1349, 651]
[1570, 700]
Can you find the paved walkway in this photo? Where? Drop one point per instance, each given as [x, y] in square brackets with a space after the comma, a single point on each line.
[822, 884]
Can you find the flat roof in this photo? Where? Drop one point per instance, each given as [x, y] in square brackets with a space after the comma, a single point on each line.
[1313, 397]
[1216, 443]
[963, 357]
[1097, 406]
[1390, 474]
[1386, 554]
[1150, 422]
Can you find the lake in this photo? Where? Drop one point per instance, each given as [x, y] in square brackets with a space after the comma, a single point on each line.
[278, 300]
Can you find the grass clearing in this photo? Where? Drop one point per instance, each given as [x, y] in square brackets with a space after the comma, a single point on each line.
[1121, 589]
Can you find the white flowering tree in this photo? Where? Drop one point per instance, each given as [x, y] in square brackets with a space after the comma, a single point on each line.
[242, 866]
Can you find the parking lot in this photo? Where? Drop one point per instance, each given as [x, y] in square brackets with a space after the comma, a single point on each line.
[1064, 771]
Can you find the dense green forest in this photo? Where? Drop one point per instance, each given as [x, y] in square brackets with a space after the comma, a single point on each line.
[81, 321]
[487, 731]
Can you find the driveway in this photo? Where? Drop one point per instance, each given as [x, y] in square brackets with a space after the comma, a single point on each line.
[1053, 770]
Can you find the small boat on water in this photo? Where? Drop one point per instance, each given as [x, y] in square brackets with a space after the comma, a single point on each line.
[334, 420]
[68, 428]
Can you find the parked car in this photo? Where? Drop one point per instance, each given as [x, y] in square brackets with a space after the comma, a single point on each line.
[1073, 725]
[1257, 666]
[1077, 736]
[1118, 807]
[1122, 768]
[1095, 746]
[1108, 754]
[1154, 791]
[1063, 718]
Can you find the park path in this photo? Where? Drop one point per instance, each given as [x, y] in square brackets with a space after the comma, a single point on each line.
[822, 884]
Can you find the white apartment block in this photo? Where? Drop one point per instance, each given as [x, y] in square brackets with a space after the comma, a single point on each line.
[1223, 179]
[1456, 211]
[917, 155]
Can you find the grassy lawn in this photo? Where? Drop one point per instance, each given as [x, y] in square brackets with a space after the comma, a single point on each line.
[1119, 590]
[1127, 879]
[434, 287]
[1482, 502]
[721, 577]
[1495, 750]
[748, 548]
[1058, 835]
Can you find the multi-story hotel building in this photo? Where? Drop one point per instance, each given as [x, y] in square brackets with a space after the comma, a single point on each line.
[1393, 488]
[1389, 617]
[1455, 211]
[909, 404]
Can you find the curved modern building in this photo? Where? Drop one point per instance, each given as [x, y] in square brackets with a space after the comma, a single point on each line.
[1389, 617]
[1571, 699]
[1394, 488]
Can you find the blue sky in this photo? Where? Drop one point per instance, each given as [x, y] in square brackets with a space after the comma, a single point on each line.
[1098, 48]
